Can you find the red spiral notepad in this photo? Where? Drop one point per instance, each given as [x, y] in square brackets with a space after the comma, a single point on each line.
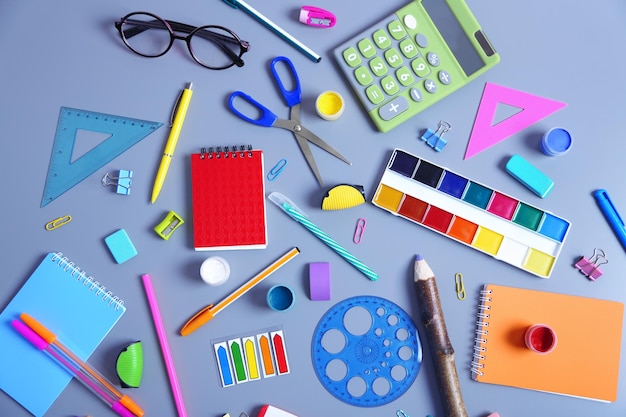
[228, 199]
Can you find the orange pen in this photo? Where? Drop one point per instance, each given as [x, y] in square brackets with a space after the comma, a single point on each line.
[208, 312]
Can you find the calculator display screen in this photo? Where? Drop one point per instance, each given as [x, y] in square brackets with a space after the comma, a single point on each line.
[454, 35]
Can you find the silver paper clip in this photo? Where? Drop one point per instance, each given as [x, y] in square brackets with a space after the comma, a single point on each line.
[434, 138]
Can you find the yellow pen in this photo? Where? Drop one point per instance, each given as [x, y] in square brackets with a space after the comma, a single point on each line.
[178, 117]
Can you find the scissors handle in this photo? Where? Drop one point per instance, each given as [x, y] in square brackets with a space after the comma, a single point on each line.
[266, 117]
[294, 96]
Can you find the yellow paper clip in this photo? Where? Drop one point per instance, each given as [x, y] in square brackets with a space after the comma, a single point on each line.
[460, 287]
[167, 226]
[56, 223]
[278, 168]
[360, 229]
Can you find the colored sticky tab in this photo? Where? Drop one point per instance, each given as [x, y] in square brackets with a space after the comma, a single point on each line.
[252, 359]
[265, 349]
[238, 358]
[485, 134]
[280, 352]
[223, 364]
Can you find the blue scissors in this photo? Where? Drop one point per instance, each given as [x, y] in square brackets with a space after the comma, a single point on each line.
[293, 98]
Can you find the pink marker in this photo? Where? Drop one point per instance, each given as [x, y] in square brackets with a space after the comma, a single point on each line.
[46, 341]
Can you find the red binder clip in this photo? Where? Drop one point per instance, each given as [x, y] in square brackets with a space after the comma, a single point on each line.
[316, 17]
[591, 267]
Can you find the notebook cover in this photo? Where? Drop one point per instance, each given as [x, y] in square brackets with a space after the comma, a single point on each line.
[228, 200]
[585, 362]
[70, 305]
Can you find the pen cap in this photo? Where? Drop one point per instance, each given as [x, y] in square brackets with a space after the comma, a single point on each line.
[29, 334]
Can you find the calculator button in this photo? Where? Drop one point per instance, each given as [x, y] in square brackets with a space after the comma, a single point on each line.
[352, 57]
[408, 48]
[416, 94]
[381, 39]
[419, 67]
[393, 57]
[444, 77]
[367, 48]
[421, 40]
[404, 76]
[410, 21]
[363, 76]
[430, 86]
[378, 66]
[393, 108]
[390, 86]
[374, 94]
[433, 59]
[396, 30]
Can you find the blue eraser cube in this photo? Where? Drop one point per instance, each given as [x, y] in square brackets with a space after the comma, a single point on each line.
[120, 246]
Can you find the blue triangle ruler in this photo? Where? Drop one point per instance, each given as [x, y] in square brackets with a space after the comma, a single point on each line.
[63, 173]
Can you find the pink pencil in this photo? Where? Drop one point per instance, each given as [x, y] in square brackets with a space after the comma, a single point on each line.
[165, 348]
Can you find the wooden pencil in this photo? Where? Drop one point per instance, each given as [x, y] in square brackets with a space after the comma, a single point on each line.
[438, 340]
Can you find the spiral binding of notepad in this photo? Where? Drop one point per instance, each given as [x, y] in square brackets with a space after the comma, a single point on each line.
[226, 152]
[87, 280]
[482, 331]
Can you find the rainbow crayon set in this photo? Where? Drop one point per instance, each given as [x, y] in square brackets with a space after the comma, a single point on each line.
[471, 213]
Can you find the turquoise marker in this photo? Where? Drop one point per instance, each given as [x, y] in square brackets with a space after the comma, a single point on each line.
[274, 28]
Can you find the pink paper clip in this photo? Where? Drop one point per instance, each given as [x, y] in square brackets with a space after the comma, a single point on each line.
[316, 17]
[591, 267]
[360, 229]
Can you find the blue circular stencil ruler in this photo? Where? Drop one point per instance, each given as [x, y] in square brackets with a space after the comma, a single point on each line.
[366, 351]
[63, 173]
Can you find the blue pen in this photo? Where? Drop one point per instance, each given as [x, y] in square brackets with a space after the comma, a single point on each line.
[611, 214]
[274, 28]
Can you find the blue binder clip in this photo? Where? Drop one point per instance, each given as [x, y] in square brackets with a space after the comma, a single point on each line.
[122, 181]
[434, 138]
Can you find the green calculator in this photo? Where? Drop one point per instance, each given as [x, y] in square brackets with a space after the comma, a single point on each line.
[414, 58]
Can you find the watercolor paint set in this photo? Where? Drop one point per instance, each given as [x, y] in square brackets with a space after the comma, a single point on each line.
[471, 213]
[251, 357]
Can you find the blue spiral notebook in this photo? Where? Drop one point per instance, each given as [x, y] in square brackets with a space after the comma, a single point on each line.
[74, 306]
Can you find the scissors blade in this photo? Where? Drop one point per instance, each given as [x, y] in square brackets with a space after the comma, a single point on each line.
[316, 140]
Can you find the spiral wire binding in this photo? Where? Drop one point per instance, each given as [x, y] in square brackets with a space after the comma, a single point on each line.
[226, 152]
[482, 331]
[67, 265]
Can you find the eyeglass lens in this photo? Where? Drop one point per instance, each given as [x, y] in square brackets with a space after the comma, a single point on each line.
[211, 46]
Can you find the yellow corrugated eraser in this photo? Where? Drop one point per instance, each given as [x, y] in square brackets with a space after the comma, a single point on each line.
[343, 196]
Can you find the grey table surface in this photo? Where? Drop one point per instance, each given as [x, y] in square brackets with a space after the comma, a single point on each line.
[68, 53]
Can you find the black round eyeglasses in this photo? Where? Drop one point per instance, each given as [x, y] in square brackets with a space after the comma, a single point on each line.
[213, 47]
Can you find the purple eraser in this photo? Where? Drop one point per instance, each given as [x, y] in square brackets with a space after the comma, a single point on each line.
[319, 281]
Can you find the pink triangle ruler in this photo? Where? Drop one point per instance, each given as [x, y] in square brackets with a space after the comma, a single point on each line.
[485, 134]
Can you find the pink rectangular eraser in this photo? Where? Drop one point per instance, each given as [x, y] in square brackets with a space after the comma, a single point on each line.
[319, 281]
[494, 415]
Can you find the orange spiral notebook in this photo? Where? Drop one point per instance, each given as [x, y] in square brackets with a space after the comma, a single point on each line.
[585, 362]
[228, 199]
